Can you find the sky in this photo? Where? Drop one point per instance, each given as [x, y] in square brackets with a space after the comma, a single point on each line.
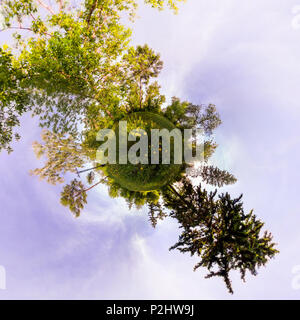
[241, 56]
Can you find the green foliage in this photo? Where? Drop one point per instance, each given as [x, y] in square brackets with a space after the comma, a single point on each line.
[155, 213]
[187, 115]
[72, 63]
[213, 175]
[74, 197]
[218, 231]
[142, 65]
[14, 100]
[173, 4]
[133, 198]
[90, 177]
[62, 154]
[144, 177]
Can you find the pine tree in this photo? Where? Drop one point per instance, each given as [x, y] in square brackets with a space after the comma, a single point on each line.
[155, 213]
[218, 231]
[213, 175]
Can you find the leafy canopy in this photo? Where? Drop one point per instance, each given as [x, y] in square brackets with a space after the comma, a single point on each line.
[68, 64]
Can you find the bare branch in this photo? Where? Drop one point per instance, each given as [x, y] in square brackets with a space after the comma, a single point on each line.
[24, 28]
[60, 4]
[46, 7]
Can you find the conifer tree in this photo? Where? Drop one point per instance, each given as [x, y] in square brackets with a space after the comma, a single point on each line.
[218, 231]
[213, 175]
[155, 213]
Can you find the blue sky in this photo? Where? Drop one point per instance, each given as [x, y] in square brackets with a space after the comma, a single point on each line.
[240, 55]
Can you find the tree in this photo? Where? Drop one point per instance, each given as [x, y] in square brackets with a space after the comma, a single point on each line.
[63, 155]
[14, 100]
[143, 64]
[155, 213]
[74, 196]
[213, 175]
[187, 115]
[66, 155]
[68, 64]
[218, 231]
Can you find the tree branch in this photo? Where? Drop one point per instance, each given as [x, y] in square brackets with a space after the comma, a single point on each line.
[179, 195]
[93, 7]
[24, 28]
[45, 6]
[92, 186]
[60, 4]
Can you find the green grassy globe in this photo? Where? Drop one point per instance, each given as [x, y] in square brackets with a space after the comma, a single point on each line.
[144, 177]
